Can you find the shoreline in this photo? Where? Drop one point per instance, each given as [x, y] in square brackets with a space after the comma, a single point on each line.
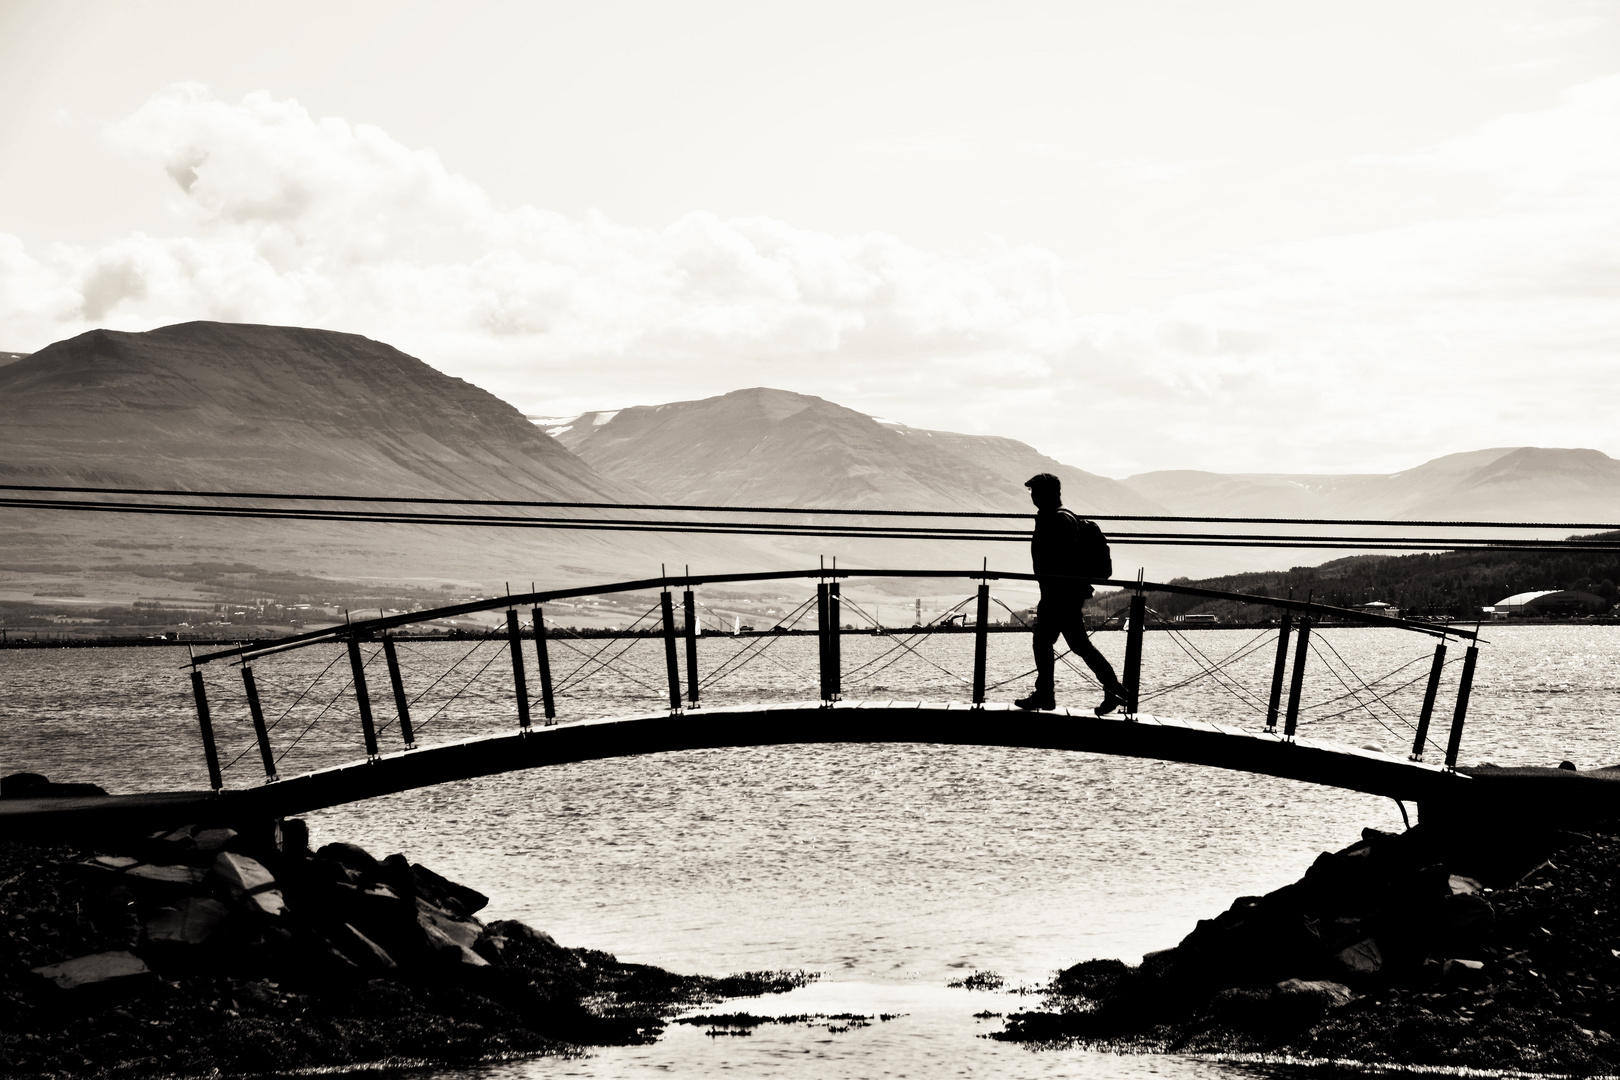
[1497, 949]
[202, 951]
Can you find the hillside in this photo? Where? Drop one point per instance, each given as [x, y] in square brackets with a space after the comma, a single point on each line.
[1452, 584]
[773, 447]
[1524, 483]
[215, 406]
[218, 405]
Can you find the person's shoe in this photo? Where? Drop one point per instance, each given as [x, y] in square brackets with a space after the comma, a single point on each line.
[1037, 701]
[1110, 702]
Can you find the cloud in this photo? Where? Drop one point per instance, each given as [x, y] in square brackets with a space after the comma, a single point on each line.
[290, 218]
[1378, 347]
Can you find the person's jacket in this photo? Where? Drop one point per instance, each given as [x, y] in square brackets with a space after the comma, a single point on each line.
[1053, 548]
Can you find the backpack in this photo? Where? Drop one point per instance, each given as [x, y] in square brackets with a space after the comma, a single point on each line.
[1091, 557]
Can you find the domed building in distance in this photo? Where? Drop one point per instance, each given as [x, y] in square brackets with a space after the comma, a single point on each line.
[1555, 603]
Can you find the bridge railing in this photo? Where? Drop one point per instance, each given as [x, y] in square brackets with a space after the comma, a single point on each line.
[529, 688]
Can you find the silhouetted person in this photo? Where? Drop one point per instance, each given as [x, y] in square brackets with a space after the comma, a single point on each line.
[1064, 547]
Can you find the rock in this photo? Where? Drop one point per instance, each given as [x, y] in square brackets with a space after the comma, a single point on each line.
[93, 969]
[1362, 958]
[115, 863]
[213, 839]
[508, 941]
[351, 857]
[1463, 886]
[169, 880]
[395, 872]
[444, 893]
[365, 953]
[511, 928]
[26, 785]
[245, 880]
[1329, 994]
[1094, 979]
[189, 922]
[437, 921]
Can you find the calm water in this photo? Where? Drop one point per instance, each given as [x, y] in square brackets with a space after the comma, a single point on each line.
[891, 870]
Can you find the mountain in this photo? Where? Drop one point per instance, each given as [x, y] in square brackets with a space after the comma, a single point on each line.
[209, 405]
[1524, 483]
[764, 447]
[217, 406]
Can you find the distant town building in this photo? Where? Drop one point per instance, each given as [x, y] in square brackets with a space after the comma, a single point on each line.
[1548, 602]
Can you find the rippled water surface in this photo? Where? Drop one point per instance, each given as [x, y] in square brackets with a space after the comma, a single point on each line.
[890, 869]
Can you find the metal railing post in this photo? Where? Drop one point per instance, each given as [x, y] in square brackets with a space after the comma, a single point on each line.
[981, 641]
[260, 732]
[1465, 686]
[670, 663]
[1428, 701]
[205, 721]
[689, 604]
[547, 701]
[1133, 653]
[520, 680]
[1296, 685]
[835, 642]
[402, 704]
[821, 638]
[1279, 670]
[362, 697]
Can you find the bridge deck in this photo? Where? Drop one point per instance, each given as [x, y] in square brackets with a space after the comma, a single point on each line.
[798, 722]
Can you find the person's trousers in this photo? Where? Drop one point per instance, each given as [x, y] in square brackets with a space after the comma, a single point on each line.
[1063, 616]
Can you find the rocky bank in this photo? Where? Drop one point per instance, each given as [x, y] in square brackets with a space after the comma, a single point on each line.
[1489, 948]
[210, 950]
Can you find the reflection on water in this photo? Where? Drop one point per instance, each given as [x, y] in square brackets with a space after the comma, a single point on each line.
[891, 869]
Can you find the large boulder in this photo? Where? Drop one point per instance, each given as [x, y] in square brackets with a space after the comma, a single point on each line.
[189, 922]
[246, 881]
[94, 969]
[27, 785]
[351, 857]
[443, 893]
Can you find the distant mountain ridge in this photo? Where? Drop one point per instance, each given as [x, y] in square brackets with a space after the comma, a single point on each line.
[236, 406]
[1521, 483]
[762, 446]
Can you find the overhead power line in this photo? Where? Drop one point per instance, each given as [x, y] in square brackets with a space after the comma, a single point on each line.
[800, 510]
[917, 532]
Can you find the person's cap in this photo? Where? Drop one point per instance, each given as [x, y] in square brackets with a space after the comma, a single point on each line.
[1043, 481]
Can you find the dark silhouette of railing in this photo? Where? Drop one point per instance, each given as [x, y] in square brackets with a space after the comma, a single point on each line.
[1293, 629]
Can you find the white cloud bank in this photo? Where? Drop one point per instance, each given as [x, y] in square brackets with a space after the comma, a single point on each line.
[1375, 350]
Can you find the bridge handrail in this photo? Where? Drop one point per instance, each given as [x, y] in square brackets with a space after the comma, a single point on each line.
[368, 627]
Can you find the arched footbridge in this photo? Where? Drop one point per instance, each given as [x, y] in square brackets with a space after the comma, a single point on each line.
[392, 681]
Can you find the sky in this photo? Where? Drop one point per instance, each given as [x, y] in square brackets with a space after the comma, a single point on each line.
[1235, 235]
